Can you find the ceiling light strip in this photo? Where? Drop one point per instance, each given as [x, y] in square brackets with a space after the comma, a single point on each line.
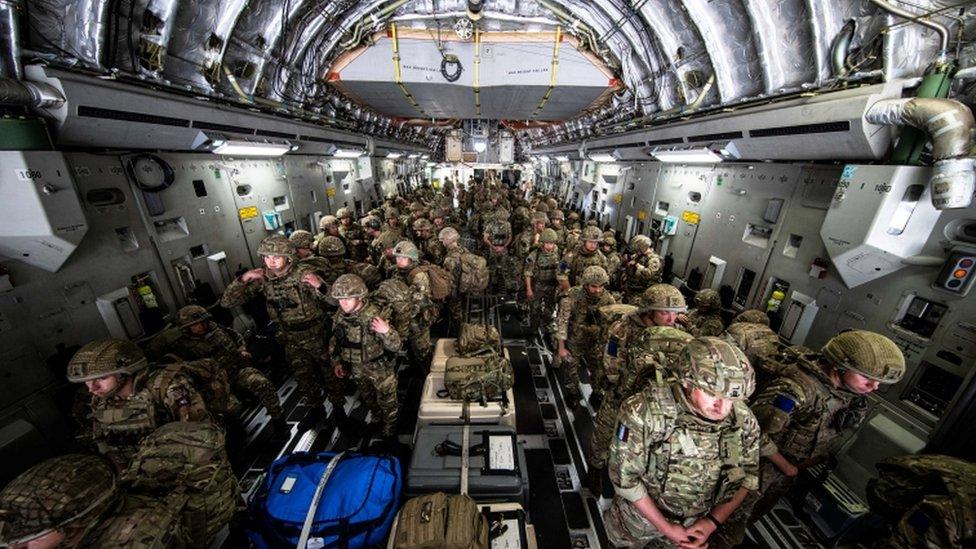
[397, 76]
[477, 71]
[552, 73]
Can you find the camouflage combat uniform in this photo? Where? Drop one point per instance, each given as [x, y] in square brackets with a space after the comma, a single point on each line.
[608, 247]
[453, 253]
[578, 323]
[642, 269]
[413, 305]
[684, 463]
[706, 318]
[299, 310]
[224, 346]
[160, 396]
[576, 261]
[352, 235]
[541, 268]
[498, 236]
[364, 353]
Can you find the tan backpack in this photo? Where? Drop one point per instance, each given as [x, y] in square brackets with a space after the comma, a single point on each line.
[441, 282]
[473, 338]
[473, 278]
[444, 521]
[478, 379]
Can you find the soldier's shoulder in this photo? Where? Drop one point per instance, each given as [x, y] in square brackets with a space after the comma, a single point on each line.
[655, 407]
[745, 419]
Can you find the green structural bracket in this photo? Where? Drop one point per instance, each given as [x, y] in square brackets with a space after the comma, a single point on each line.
[912, 141]
[24, 134]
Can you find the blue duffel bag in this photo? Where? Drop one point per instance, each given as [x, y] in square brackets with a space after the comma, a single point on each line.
[356, 504]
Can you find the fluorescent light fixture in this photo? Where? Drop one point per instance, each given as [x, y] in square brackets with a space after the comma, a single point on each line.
[698, 155]
[425, 156]
[603, 157]
[394, 155]
[250, 148]
[414, 155]
[543, 158]
[348, 153]
[480, 145]
[562, 158]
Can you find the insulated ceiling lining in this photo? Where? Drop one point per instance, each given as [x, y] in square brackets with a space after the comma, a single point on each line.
[514, 77]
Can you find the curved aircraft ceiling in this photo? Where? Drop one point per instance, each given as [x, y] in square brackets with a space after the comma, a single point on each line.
[645, 60]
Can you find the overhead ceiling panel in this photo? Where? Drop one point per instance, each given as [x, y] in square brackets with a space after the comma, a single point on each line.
[514, 73]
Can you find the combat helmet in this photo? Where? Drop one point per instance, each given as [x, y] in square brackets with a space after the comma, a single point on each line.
[302, 239]
[663, 297]
[327, 221]
[556, 214]
[640, 244]
[501, 215]
[591, 233]
[540, 216]
[870, 354]
[708, 300]
[542, 207]
[552, 203]
[407, 249]
[548, 236]
[332, 246]
[344, 213]
[752, 316]
[573, 216]
[349, 286]
[60, 493]
[609, 239]
[594, 274]
[448, 234]
[422, 224]
[277, 244]
[104, 357]
[190, 315]
[717, 367]
[372, 222]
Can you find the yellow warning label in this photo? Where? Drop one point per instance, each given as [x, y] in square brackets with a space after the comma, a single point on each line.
[641, 215]
[690, 217]
[330, 192]
[618, 198]
[248, 213]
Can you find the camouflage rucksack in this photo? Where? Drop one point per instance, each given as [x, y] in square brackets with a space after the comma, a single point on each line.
[473, 278]
[441, 283]
[189, 457]
[474, 338]
[369, 273]
[479, 378]
[441, 520]
[208, 378]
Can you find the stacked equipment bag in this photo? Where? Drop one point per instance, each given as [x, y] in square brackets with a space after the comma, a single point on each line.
[453, 520]
[481, 372]
[326, 499]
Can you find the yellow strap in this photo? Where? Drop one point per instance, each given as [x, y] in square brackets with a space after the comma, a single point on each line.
[552, 73]
[397, 76]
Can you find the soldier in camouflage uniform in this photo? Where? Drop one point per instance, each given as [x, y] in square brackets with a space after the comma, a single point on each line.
[586, 254]
[706, 318]
[521, 220]
[925, 500]
[528, 239]
[685, 454]
[805, 412]
[372, 228]
[76, 501]
[751, 333]
[579, 331]
[416, 303]
[197, 337]
[352, 235]
[333, 253]
[430, 246]
[641, 269]
[328, 226]
[632, 358]
[608, 247]
[296, 304]
[557, 220]
[304, 243]
[541, 286]
[361, 347]
[497, 238]
[572, 222]
[130, 399]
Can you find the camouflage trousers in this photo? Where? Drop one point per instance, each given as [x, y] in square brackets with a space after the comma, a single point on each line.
[377, 384]
[627, 527]
[583, 354]
[773, 485]
[543, 304]
[209, 509]
[307, 355]
[421, 347]
[250, 381]
[604, 427]
[502, 274]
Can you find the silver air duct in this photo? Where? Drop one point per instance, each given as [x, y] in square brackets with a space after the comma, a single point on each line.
[10, 66]
[29, 94]
[949, 124]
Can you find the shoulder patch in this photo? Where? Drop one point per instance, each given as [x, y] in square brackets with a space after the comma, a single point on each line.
[623, 432]
[612, 346]
[784, 402]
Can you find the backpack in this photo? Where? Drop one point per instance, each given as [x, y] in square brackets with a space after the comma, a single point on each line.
[212, 382]
[369, 273]
[473, 278]
[479, 378]
[356, 506]
[187, 457]
[477, 337]
[441, 282]
[613, 313]
[441, 520]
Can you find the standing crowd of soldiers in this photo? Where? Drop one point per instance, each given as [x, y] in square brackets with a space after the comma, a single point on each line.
[684, 444]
